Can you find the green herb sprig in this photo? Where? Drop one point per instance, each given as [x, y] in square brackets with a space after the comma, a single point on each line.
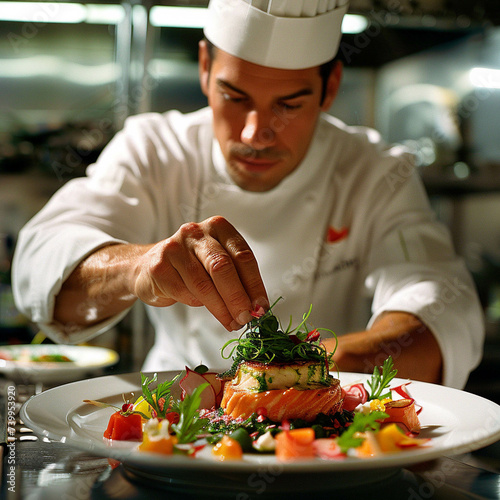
[361, 423]
[161, 400]
[190, 424]
[264, 340]
[380, 380]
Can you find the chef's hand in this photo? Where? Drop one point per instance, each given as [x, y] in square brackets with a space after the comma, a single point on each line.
[203, 264]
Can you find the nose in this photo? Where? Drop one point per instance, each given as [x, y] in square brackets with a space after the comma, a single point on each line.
[257, 131]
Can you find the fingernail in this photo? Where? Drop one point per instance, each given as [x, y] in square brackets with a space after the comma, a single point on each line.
[234, 326]
[262, 302]
[244, 318]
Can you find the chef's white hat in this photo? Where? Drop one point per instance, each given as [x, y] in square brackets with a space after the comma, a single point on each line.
[288, 34]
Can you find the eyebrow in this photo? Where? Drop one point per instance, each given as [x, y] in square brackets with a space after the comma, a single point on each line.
[302, 92]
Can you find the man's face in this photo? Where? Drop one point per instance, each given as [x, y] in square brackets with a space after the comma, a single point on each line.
[264, 118]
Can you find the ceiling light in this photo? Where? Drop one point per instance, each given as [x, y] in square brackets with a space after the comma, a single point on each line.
[60, 12]
[354, 23]
[485, 78]
[178, 17]
[195, 17]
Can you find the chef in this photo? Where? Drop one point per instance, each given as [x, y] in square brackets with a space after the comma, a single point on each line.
[208, 215]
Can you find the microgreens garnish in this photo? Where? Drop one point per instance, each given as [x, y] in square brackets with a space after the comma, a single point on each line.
[362, 422]
[381, 380]
[264, 340]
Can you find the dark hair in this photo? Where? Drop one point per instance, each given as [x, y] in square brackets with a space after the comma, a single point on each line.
[325, 69]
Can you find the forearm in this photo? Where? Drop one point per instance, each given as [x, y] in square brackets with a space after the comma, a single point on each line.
[413, 347]
[101, 286]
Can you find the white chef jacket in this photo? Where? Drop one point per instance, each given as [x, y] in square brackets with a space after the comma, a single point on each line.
[350, 229]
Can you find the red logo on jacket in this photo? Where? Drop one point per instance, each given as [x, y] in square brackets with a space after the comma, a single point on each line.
[333, 235]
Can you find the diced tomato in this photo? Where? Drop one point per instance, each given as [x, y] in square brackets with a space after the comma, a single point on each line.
[228, 449]
[295, 444]
[123, 427]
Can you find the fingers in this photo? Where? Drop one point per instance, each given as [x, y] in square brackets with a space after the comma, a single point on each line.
[223, 273]
[207, 264]
[244, 269]
[159, 284]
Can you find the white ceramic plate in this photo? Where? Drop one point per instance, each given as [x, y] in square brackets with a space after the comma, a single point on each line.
[85, 360]
[456, 421]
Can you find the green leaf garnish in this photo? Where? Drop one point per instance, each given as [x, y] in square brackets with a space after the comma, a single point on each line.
[361, 423]
[161, 400]
[381, 380]
[264, 340]
[190, 424]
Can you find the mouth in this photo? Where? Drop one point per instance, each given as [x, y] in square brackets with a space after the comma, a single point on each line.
[255, 164]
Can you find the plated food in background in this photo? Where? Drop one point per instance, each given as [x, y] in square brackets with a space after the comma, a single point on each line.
[53, 363]
[27, 357]
[279, 397]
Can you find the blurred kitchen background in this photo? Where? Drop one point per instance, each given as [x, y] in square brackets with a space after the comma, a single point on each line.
[423, 72]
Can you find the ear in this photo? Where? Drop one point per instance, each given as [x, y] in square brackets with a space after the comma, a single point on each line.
[203, 66]
[332, 86]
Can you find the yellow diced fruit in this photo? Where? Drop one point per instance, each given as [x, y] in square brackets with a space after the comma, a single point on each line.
[379, 405]
[227, 449]
[389, 437]
[143, 406]
[163, 445]
[392, 439]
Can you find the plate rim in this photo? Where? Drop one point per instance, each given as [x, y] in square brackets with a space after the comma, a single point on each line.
[165, 463]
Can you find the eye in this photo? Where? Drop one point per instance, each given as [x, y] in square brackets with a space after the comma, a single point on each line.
[288, 106]
[232, 98]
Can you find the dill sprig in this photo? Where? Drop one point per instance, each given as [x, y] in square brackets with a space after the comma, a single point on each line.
[159, 398]
[381, 379]
[264, 340]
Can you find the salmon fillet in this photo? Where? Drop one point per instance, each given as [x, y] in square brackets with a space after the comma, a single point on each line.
[282, 404]
[286, 390]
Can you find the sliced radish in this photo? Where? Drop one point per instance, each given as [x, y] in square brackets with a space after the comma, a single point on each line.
[403, 392]
[191, 381]
[211, 378]
[216, 383]
[354, 395]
